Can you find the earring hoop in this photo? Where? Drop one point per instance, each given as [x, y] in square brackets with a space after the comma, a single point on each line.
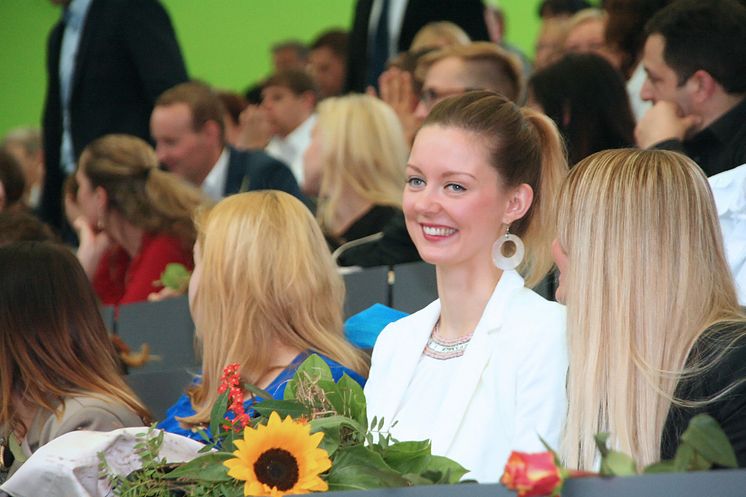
[502, 261]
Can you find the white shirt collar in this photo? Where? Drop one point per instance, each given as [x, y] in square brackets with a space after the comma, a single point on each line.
[729, 190]
[214, 183]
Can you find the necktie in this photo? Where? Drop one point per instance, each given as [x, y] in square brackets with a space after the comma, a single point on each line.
[380, 48]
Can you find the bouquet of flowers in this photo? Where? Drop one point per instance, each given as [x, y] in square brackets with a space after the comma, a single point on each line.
[315, 439]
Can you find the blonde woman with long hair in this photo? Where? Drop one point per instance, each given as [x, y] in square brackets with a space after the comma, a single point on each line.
[355, 167]
[135, 218]
[264, 294]
[655, 331]
[480, 371]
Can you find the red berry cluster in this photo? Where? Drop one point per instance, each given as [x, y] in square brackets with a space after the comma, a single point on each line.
[230, 381]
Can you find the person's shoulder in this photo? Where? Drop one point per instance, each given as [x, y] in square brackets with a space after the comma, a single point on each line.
[535, 315]
[256, 160]
[338, 370]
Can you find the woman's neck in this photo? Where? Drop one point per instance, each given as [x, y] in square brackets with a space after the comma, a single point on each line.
[282, 357]
[464, 292]
[125, 234]
[350, 208]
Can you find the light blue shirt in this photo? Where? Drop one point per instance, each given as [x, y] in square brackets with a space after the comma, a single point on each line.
[74, 17]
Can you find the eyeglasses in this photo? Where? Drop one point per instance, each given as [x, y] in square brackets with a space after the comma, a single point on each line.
[431, 96]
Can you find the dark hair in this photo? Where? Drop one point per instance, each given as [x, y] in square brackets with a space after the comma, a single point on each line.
[300, 48]
[295, 80]
[11, 177]
[587, 99]
[53, 342]
[202, 100]
[18, 226]
[625, 28]
[233, 103]
[704, 34]
[335, 40]
[524, 146]
[551, 8]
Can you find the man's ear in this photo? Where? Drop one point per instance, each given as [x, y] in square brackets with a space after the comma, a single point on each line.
[211, 131]
[101, 198]
[702, 86]
[519, 202]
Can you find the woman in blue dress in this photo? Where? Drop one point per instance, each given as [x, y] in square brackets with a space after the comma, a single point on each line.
[264, 294]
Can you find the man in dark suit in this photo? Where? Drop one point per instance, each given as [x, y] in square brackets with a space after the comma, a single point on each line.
[188, 128]
[366, 55]
[107, 61]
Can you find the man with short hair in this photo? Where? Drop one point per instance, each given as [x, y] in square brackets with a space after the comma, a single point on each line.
[187, 125]
[695, 60]
[327, 62]
[289, 54]
[476, 66]
[282, 124]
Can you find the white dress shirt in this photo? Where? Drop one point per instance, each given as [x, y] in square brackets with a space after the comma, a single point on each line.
[214, 183]
[729, 190]
[290, 149]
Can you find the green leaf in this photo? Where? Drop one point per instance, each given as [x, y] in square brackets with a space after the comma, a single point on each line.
[175, 276]
[706, 437]
[258, 392]
[312, 369]
[660, 467]
[335, 421]
[617, 464]
[217, 414]
[284, 408]
[353, 397]
[359, 468]
[602, 440]
[332, 439]
[451, 471]
[208, 467]
[407, 457]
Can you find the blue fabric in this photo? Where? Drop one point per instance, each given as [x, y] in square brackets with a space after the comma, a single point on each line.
[363, 328]
[183, 406]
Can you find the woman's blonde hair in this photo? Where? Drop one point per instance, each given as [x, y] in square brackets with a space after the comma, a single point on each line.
[439, 34]
[524, 146]
[267, 277]
[362, 149]
[646, 276]
[126, 167]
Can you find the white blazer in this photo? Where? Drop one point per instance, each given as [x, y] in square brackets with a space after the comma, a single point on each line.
[510, 390]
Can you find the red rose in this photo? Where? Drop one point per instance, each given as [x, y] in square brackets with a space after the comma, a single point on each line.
[531, 474]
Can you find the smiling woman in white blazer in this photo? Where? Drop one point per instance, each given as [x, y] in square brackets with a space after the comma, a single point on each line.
[480, 371]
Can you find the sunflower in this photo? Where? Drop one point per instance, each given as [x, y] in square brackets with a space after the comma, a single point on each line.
[280, 458]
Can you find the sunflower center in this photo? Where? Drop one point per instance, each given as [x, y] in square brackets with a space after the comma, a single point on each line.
[277, 468]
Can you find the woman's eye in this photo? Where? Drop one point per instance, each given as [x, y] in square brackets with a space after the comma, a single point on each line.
[455, 187]
[415, 182]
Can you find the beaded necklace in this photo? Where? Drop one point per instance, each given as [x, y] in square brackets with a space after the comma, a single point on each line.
[443, 349]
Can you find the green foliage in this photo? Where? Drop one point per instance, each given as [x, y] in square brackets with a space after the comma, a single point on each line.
[175, 276]
[703, 445]
[363, 455]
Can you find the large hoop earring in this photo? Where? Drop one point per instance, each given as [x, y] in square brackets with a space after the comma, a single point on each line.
[504, 262]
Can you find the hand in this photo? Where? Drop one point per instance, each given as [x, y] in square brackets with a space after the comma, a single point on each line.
[663, 122]
[255, 129]
[92, 245]
[397, 90]
[163, 294]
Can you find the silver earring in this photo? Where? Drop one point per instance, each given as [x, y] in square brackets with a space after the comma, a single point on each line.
[504, 262]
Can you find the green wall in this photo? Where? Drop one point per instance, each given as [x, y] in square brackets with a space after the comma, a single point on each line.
[225, 42]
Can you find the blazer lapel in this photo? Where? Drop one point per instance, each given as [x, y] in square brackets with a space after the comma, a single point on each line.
[90, 26]
[474, 360]
[404, 361]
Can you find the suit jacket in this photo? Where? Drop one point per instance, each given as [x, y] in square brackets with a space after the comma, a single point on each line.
[127, 56]
[468, 14]
[510, 389]
[250, 170]
[78, 413]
